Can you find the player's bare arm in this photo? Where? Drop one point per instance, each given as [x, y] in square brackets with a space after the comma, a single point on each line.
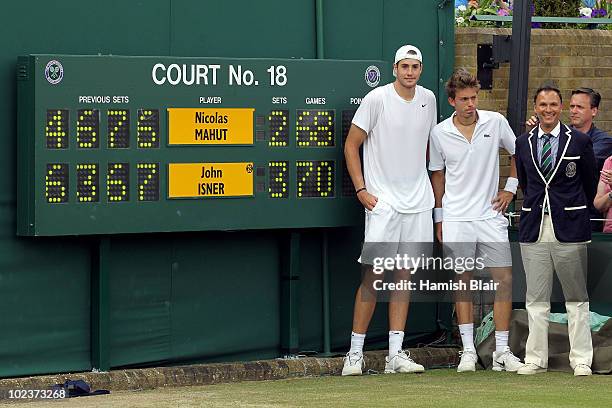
[354, 140]
[437, 182]
[504, 198]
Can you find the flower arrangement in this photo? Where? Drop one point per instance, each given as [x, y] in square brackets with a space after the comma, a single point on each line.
[596, 9]
[465, 9]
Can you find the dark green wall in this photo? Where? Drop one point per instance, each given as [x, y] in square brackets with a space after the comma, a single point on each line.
[165, 303]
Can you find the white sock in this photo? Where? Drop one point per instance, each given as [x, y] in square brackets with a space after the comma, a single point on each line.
[357, 341]
[396, 339]
[467, 336]
[501, 340]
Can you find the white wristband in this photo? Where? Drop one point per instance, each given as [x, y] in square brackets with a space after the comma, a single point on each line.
[437, 213]
[511, 185]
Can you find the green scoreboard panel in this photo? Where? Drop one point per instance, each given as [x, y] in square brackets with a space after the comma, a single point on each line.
[113, 145]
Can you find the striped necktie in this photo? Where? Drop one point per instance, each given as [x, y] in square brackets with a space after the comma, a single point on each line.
[546, 162]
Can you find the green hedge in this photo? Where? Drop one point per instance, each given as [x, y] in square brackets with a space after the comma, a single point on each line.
[557, 8]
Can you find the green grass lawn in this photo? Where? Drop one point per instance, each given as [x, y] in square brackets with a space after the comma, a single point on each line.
[435, 388]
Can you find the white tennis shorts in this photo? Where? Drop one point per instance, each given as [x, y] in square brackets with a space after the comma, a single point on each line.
[389, 233]
[485, 239]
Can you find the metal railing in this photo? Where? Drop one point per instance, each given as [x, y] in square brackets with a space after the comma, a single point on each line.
[592, 22]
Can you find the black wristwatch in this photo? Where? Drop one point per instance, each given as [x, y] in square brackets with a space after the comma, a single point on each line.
[610, 195]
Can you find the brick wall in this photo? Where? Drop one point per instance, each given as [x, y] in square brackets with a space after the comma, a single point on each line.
[569, 58]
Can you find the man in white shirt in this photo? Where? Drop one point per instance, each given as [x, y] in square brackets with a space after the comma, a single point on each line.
[469, 213]
[393, 123]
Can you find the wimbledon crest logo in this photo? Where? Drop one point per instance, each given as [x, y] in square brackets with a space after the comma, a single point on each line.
[570, 169]
[54, 72]
[372, 76]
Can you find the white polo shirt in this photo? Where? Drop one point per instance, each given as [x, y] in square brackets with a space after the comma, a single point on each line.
[395, 150]
[472, 168]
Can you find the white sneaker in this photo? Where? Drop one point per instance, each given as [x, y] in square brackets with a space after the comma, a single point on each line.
[468, 361]
[402, 363]
[353, 363]
[582, 369]
[530, 369]
[506, 361]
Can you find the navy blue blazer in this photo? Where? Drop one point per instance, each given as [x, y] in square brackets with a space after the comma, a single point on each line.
[570, 190]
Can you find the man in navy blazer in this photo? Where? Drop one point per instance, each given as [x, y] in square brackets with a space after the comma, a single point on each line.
[557, 172]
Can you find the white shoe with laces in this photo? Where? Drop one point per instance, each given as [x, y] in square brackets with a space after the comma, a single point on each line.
[582, 370]
[402, 363]
[353, 363]
[506, 361]
[468, 361]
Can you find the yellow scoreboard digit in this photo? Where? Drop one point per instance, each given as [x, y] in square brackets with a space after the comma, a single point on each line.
[118, 182]
[56, 183]
[315, 179]
[315, 128]
[148, 181]
[88, 185]
[148, 128]
[118, 129]
[278, 126]
[57, 128]
[278, 183]
[88, 128]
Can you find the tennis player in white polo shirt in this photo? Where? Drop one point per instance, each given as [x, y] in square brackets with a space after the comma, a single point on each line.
[393, 123]
[464, 158]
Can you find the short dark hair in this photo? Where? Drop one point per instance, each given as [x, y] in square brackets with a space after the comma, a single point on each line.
[593, 95]
[461, 79]
[547, 88]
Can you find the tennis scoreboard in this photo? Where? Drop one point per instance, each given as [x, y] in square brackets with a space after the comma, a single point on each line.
[111, 144]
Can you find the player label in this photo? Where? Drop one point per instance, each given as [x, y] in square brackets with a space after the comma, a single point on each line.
[197, 180]
[210, 126]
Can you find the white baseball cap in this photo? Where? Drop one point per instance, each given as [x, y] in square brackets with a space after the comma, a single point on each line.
[408, 51]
